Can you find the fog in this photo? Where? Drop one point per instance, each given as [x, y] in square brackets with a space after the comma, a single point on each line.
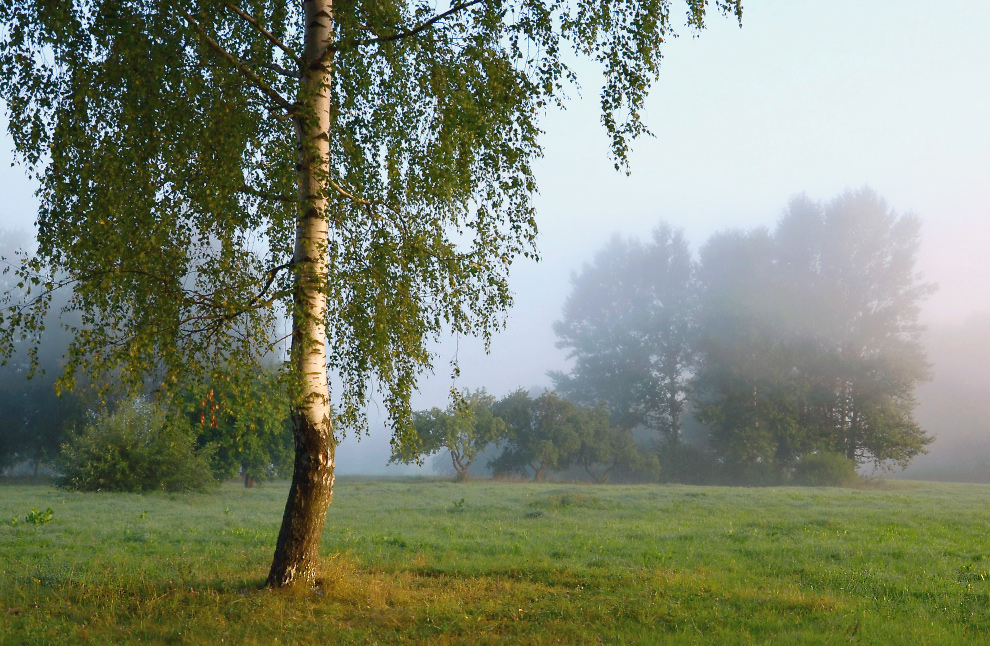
[954, 406]
[813, 97]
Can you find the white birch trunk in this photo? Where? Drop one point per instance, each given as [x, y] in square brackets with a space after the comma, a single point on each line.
[297, 549]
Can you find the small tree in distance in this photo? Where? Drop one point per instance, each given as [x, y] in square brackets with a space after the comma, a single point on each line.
[549, 433]
[539, 435]
[464, 429]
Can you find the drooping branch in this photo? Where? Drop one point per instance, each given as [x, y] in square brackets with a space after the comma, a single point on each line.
[241, 66]
[272, 273]
[212, 323]
[267, 34]
[254, 303]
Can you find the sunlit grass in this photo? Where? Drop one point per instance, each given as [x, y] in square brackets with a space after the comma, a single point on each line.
[412, 561]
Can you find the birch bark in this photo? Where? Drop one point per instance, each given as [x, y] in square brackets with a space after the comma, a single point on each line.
[297, 549]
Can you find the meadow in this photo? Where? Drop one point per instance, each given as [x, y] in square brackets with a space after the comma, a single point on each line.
[436, 562]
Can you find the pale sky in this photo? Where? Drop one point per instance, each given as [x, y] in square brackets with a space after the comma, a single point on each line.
[812, 96]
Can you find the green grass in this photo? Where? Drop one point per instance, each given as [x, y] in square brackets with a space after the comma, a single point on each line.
[411, 561]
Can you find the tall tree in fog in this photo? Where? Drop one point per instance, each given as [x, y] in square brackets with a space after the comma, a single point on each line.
[362, 166]
[743, 386]
[809, 339]
[627, 324]
[860, 313]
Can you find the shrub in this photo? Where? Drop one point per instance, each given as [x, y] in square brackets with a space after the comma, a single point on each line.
[137, 448]
[37, 517]
[824, 470]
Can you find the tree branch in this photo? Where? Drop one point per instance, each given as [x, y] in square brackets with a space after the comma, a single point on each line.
[358, 200]
[267, 196]
[255, 303]
[423, 26]
[278, 69]
[239, 64]
[267, 34]
[272, 273]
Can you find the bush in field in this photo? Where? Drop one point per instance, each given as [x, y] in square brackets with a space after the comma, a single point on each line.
[824, 470]
[137, 448]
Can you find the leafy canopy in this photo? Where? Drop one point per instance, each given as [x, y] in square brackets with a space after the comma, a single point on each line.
[162, 134]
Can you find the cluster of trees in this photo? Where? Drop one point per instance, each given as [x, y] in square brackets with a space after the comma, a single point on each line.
[783, 344]
[219, 428]
[783, 355]
[532, 436]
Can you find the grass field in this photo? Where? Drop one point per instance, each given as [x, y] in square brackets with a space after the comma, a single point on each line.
[411, 561]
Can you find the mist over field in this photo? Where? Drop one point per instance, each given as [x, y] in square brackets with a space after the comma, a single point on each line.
[812, 98]
[954, 405]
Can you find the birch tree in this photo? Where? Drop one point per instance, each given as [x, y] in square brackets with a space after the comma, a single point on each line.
[361, 167]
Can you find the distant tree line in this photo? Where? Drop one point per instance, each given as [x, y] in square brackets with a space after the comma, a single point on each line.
[528, 437]
[775, 356]
[783, 355]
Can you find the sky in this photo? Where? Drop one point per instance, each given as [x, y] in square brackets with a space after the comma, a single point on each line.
[808, 96]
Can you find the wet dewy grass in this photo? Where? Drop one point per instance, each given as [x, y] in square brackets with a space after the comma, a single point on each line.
[418, 561]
